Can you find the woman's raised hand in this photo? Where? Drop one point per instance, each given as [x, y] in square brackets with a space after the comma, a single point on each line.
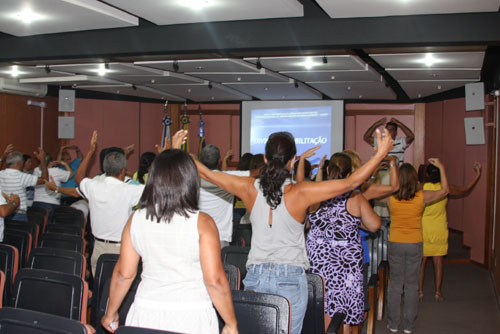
[477, 168]
[436, 162]
[310, 152]
[384, 142]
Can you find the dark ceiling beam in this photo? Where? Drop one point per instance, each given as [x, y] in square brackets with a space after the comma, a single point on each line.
[296, 34]
[389, 80]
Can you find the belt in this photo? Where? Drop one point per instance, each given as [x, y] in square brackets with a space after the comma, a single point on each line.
[107, 241]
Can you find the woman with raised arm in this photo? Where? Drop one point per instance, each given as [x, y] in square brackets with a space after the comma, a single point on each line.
[277, 260]
[405, 248]
[435, 227]
[334, 246]
[182, 272]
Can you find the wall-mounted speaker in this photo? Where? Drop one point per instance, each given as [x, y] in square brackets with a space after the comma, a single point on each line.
[66, 128]
[474, 96]
[474, 131]
[66, 100]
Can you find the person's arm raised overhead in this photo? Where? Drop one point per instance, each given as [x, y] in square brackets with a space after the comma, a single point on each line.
[301, 168]
[79, 153]
[67, 167]
[370, 221]
[461, 190]
[40, 155]
[380, 190]
[228, 155]
[81, 172]
[315, 192]
[214, 277]
[8, 149]
[51, 185]
[123, 276]
[410, 136]
[431, 196]
[178, 139]
[368, 136]
[319, 174]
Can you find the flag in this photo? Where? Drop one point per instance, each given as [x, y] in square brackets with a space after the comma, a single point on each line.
[185, 126]
[201, 134]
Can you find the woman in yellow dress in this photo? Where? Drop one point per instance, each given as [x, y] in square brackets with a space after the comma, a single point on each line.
[435, 227]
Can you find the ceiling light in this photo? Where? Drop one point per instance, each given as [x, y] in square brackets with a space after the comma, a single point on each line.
[102, 70]
[309, 63]
[439, 87]
[213, 98]
[360, 96]
[238, 79]
[14, 72]
[27, 16]
[419, 95]
[195, 4]
[265, 88]
[332, 77]
[428, 60]
[189, 90]
[153, 81]
[200, 67]
[348, 87]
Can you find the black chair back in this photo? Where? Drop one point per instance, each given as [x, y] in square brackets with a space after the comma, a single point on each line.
[242, 235]
[61, 241]
[14, 320]
[64, 229]
[140, 330]
[68, 215]
[22, 241]
[125, 306]
[50, 292]
[236, 256]
[233, 276]
[103, 272]
[29, 226]
[261, 313]
[39, 216]
[60, 260]
[314, 320]
[9, 264]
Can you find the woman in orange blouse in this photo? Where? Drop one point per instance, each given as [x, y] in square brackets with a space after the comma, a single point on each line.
[405, 249]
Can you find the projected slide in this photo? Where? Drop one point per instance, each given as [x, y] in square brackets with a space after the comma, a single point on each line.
[310, 126]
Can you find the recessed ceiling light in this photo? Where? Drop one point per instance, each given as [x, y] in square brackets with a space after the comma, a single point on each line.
[332, 77]
[14, 72]
[265, 88]
[238, 78]
[102, 70]
[429, 60]
[439, 87]
[360, 96]
[117, 92]
[153, 81]
[348, 87]
[419, 95]
[213, 98]
[309, 63]
[27, 16]
[195, 4]
[199, 67]
[189, 90]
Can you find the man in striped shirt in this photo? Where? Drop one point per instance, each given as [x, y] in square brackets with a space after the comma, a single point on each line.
[14, 181]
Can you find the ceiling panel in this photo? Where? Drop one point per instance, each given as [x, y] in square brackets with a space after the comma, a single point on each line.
[435, 74]
[204, 92]
[75, 80]
[316, 63]
[355, 90]
[127, 72]
[29, 72]
[192, 11]
[418, 89]
[129, 90]
[201, 65]
[35, 17]
[372, 8]
[308, 76]
[262, 76]
[277, 91]
[437, 60]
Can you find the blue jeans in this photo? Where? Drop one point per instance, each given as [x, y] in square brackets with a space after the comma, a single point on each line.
[283, 280]
[18, 216]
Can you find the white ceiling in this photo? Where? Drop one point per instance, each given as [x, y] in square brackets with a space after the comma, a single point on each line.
[187, 11]
[372, 8]
[54, 16]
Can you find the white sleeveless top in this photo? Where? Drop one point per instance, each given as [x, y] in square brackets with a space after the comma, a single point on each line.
[172, 295]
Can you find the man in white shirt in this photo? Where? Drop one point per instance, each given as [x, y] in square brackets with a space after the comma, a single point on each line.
[8, 204]
[400, 144]
[215, 201]
[110, 201]
[14, 181]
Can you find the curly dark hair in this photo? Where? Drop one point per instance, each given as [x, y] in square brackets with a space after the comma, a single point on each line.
[280, 149]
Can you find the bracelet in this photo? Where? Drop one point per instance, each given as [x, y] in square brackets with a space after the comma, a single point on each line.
[392, 164]
[57, 190]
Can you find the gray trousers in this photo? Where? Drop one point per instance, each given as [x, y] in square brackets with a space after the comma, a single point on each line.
[404, 265]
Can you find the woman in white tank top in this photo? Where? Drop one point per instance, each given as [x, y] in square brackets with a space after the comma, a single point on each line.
[277, 257]
[182, 269]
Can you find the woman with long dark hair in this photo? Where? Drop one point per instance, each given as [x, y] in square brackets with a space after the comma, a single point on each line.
[277, 260]
[182, 272]
[405, 248]
[145, 162]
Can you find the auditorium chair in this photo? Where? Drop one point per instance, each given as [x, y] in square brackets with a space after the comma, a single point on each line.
[15, 320]
[62, 241]
[104, 270]
[236, 256]
[68, 215]
[29, 226]
[9, 264]
[233, 276]
[60, 260]
[51, 292]
[22, 241]
[314, 320]
[64, 229]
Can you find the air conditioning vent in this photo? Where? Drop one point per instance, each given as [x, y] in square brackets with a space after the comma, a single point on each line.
[13, 86]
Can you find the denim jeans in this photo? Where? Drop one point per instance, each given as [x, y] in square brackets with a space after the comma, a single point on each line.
[284, 280]
[18, 216]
